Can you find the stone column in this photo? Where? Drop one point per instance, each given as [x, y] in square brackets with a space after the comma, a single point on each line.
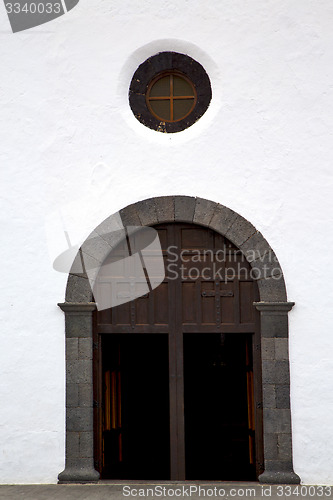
[276, 393]
[79, 394]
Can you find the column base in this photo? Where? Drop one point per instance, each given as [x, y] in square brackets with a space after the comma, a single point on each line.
[274, 477]
[78, 475]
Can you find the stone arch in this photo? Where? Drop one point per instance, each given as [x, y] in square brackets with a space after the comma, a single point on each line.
[273, 307]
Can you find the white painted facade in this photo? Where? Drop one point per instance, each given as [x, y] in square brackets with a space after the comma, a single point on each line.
[70, 143]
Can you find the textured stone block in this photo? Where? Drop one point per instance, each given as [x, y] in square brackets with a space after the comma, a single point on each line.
[266, 266]
[284, 447]
[84, 262]
[79, 371]
[86, 444]
[282, 396]
[184, 208]
[110, 225]
[117, 240]
[279, 465]
[72, 349]
[96, 247]
[255, 247]
[271, 446]
[272, 289]
[276, 421]
[282, 375]
[79, 325]
[281, 348]
[72, 395]
[72, 445]
[240, 230]
[268, 371]
[222, 219]
[165, 208]
[79, 470]
[269, 396]
[78, 289]
[274, 325]
[79, 419]
[267, 348]
[129, 217]
[111, 230]
[204, 210]
[275, 372]
[85, 348]
[147, 212]
[85, 395]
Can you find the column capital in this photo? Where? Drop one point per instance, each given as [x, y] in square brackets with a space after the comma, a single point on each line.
[274, 307]
[77, 307]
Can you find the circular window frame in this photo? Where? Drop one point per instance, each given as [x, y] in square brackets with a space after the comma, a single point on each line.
[152, 69]
[171, 97]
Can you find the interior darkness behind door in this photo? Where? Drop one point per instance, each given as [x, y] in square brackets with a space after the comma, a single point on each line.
[219, 430]
[136, 436]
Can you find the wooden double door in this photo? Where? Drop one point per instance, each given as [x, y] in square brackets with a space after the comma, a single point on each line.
[177, 379]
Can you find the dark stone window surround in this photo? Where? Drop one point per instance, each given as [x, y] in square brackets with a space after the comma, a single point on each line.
[168, 61]
[273, 307]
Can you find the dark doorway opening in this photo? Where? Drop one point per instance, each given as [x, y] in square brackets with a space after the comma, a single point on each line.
[136, 435]
[175, 397]
[219, 413]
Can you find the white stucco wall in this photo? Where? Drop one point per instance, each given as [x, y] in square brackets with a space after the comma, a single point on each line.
[264, 149]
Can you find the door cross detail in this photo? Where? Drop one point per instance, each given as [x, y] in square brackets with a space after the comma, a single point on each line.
[217, 293]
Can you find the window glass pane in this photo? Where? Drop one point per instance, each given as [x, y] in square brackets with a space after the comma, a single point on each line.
[161, 109]
[161, 88]
[181, 86]
[181, 107]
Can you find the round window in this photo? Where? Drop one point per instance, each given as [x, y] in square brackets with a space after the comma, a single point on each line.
[169, 92]
[171, 97]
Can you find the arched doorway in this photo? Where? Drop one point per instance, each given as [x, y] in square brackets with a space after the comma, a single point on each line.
[273, 327]
[174, 387]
